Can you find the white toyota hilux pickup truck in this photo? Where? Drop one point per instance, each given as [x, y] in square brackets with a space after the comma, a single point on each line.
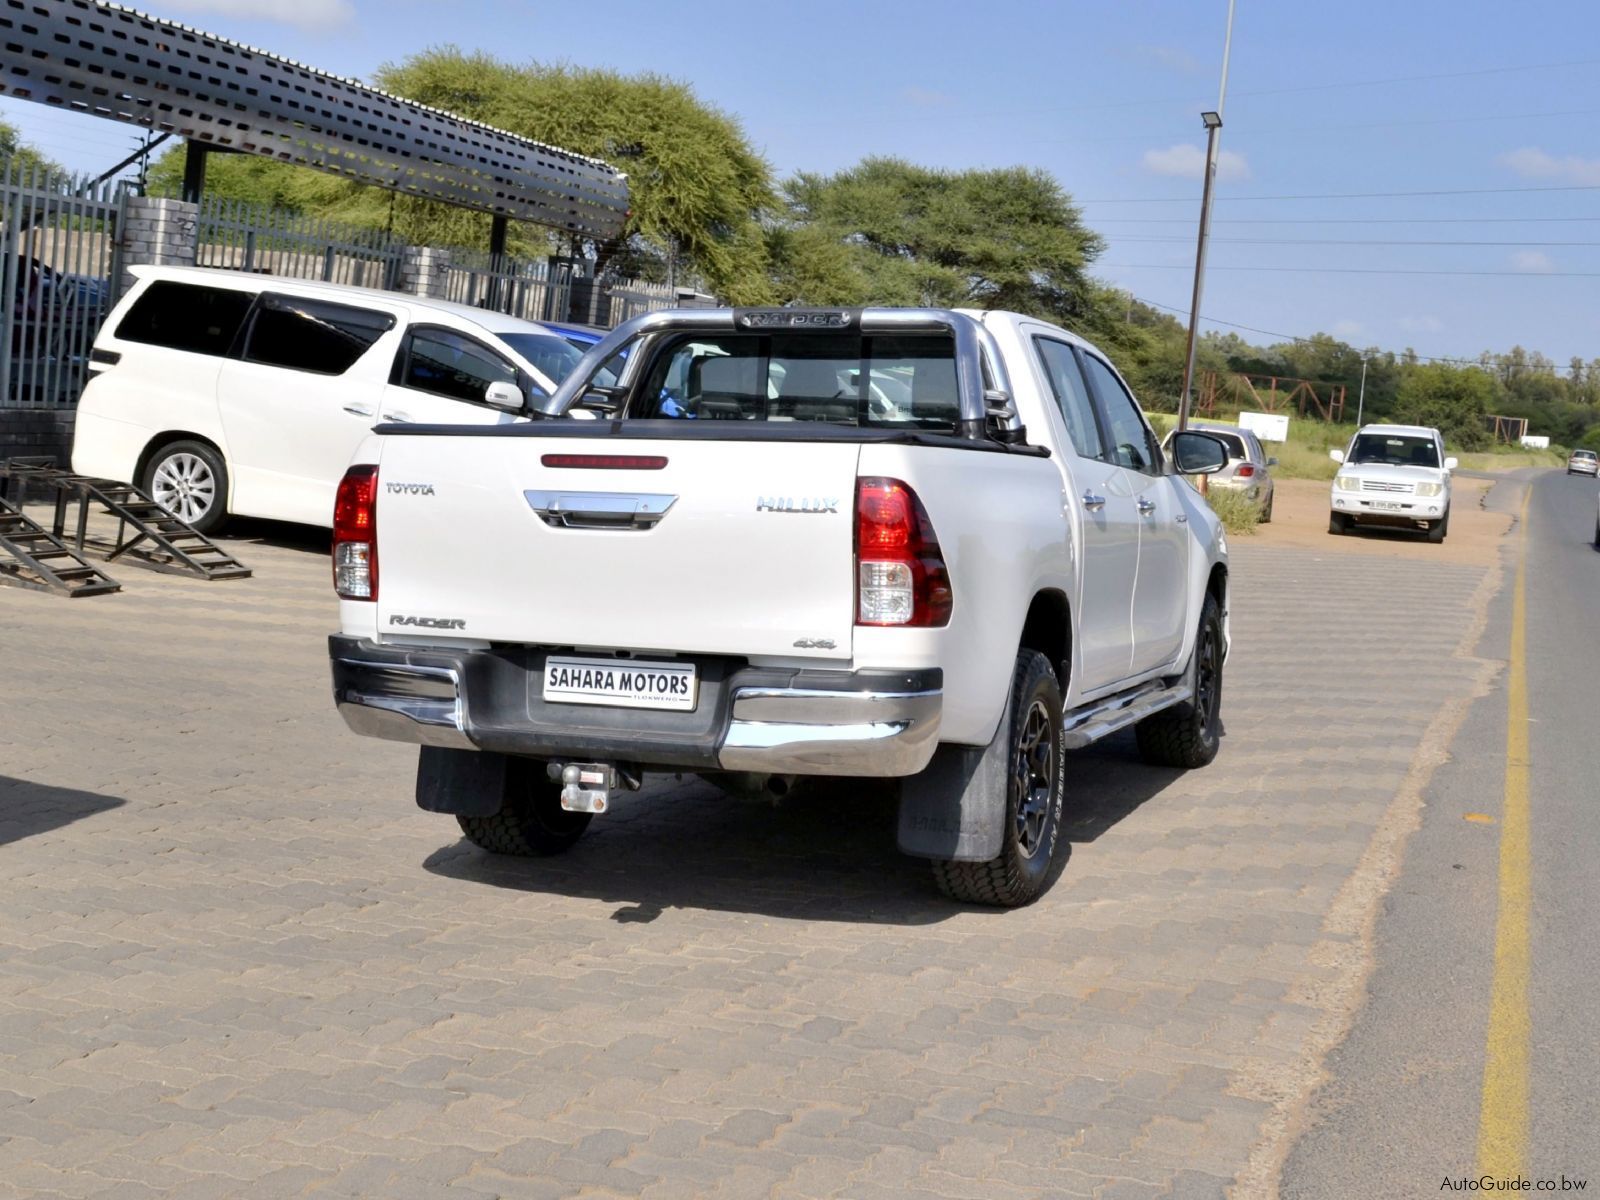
[937, 546]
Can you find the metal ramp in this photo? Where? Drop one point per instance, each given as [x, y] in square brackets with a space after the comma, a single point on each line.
[33, 557]
[146, 533]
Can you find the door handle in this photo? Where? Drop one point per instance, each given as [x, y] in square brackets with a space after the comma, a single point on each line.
[1092, 502]
[1146, 507]
[358, 410]
[399, 417]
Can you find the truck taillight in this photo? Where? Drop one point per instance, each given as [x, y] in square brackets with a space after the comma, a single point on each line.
[355, 534]
[900, 573]
[1245, 470]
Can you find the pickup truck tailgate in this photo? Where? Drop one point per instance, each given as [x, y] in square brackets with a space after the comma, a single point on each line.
[692, 546]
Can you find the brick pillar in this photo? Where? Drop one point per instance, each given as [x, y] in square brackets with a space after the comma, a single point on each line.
[422, 271]
[161, 232]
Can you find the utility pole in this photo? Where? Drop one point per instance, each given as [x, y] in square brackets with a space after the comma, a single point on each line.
[1213, 124]
[1361, 400]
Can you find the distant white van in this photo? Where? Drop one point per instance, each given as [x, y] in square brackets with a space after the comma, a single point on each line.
[221, 393]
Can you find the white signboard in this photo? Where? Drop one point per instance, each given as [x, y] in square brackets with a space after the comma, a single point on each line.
[1269, 427]
[1535, 443]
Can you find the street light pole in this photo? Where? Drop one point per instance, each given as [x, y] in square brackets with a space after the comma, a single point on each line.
[1213, 123]
[1361, 400]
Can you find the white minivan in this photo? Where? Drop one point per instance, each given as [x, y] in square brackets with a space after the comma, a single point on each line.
[221, 393]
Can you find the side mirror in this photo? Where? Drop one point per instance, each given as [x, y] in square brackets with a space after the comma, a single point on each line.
[1451, 463]
[505, 395]
[1272, 462]
[1198, 453]
[1336, 455]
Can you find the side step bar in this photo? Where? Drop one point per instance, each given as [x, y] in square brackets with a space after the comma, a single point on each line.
[1084, 726]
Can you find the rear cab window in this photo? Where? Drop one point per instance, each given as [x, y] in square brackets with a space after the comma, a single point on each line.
[186, 316]
[904, 381]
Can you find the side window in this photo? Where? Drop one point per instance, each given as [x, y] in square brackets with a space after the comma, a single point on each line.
[1131, 444]
[312, 335]
[451, 364]
[1061, 368]
[186, 316]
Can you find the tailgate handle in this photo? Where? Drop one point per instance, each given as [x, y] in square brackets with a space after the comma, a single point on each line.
[600, 510]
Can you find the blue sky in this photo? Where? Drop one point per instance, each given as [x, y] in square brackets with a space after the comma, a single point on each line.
[1323, 98]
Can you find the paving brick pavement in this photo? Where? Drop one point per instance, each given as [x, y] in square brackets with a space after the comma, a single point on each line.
[235, 960]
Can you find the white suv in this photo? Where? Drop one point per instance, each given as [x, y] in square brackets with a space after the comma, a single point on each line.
[1394, 475]
[221, 392]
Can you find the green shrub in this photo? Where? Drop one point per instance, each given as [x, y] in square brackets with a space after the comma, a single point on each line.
[1238, 512]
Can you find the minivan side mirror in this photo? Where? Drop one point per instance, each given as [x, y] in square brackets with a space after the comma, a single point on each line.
[1197, 453]
[504, 395]
[1336, 455]
[1451, 463]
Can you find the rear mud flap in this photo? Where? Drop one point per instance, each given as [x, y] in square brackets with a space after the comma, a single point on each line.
[955, 808]
[467, 783]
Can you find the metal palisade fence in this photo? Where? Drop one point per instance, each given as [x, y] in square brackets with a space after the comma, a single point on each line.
[239, 236]
[58, 271]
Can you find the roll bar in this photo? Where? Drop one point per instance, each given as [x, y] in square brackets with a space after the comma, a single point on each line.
[982, 384]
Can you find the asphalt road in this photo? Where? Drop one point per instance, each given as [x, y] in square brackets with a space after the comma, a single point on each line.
[1400, 1111]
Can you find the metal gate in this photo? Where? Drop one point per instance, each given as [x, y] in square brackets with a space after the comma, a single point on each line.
[271, 241]
[526, 288]
[59, 275]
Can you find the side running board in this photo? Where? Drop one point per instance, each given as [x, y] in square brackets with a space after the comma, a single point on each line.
[1089, 724]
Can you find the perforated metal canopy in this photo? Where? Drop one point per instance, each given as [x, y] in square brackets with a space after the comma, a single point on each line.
[114, 62]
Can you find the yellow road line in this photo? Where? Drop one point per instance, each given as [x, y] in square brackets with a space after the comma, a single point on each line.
[1503, 1118]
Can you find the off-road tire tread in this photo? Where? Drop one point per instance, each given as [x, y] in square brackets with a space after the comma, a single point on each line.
[514, 830]
[997, 883]
[1172, 737]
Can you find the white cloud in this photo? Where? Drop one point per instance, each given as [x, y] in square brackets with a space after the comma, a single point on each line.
[1532, 163]
[1422, 324]
[1188, 161]
[1536, 262]
[304, 14]
[1346, 329]
[1170, 57]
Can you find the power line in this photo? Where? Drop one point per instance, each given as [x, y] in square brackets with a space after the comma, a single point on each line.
[1289, 337]
[1566, 187]
[1358, 270]
[1189, 221]
[1248, 241]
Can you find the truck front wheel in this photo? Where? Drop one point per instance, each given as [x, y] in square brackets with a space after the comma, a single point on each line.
[1187, 735]
[1033, 796]
[531, 821]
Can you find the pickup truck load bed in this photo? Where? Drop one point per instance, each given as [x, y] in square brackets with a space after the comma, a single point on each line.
[935, 546]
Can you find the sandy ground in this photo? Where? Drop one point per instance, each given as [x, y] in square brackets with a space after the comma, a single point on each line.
[1300, 519]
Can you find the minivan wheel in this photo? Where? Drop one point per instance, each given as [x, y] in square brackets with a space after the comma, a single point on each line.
[190, 481]
[1034, 787]
[1439, 528]
[1338, 523]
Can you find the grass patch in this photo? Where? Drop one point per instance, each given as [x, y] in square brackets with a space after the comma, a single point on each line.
[1238, 513]
[1510, 458]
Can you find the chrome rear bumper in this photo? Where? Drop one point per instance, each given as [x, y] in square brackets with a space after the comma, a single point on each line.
[883, 724]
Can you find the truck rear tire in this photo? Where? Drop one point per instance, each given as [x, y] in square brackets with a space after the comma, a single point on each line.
[1187, 735]
[531, 822]
[1033, 797]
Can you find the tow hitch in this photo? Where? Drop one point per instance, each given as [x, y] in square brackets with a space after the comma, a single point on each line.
[587, 787]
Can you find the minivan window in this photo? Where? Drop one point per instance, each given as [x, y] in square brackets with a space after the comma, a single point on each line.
[312, 335]
[451, 364]
[848, 379]
[186, 316]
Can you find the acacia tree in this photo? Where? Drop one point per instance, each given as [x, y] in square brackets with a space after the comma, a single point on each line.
[889, 232]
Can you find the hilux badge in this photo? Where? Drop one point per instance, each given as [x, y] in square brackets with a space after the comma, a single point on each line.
[805, 504]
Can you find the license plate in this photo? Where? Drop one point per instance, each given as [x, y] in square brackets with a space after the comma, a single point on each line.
[1388, 505]
[620, 683]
